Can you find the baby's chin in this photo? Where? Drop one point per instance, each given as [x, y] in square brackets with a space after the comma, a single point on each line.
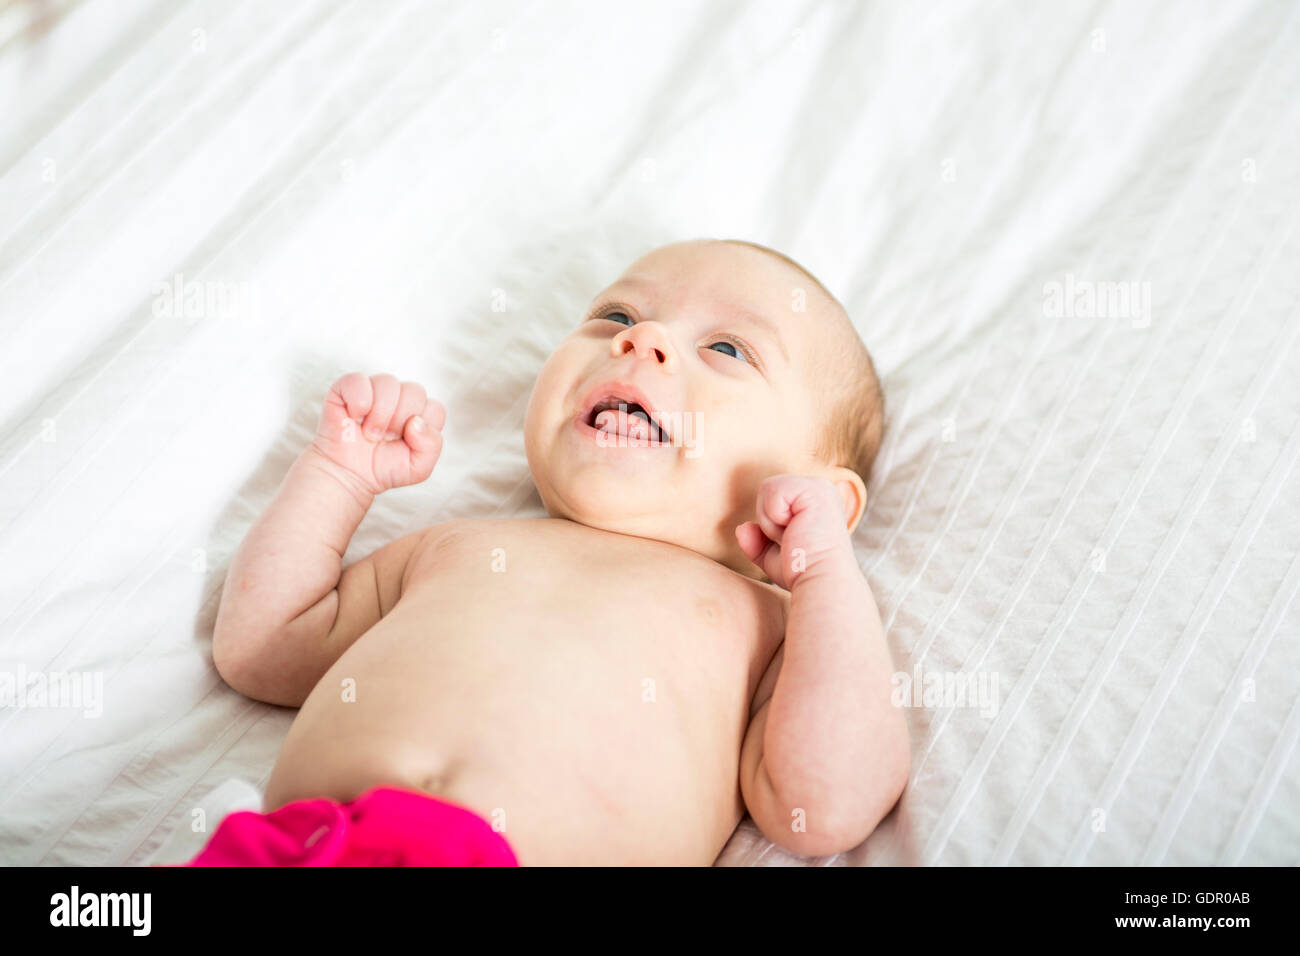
[612, 502]
[644, 512]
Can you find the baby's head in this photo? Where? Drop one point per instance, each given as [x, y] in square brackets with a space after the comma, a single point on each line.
[750, 366]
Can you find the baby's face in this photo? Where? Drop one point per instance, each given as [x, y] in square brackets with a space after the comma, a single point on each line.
[703, 339]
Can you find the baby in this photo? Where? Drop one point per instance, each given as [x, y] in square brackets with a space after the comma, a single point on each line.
[685, 638]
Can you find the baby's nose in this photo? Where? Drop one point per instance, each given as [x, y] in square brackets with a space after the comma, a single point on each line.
[646, 340]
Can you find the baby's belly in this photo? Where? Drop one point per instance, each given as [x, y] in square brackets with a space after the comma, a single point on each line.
[586, 738]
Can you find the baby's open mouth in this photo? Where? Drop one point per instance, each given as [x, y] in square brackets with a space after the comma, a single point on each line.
[618, 416]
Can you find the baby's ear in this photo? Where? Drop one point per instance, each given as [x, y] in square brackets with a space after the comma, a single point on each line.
[853, 492]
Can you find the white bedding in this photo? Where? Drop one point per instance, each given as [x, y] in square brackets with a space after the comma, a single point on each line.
[1100, 512]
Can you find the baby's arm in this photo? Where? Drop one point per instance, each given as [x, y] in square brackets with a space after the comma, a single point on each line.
[288, 609]
[827, 754]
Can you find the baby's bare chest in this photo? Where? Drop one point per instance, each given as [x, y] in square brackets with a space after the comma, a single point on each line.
[541, 589]
[537, 669]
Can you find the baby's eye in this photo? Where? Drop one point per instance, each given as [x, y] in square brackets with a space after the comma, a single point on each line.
[619, 317]
[731, 350]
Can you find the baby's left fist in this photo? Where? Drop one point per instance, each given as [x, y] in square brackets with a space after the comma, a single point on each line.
[801, 525]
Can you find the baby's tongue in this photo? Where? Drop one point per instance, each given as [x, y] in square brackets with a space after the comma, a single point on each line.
[633, 426]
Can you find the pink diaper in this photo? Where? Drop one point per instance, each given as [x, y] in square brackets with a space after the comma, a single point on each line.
[382, 827]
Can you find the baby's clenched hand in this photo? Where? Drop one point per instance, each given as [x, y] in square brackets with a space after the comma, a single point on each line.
[800, 527]
[385, 432]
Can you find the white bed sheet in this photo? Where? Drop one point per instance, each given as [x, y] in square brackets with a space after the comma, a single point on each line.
[1099, 512]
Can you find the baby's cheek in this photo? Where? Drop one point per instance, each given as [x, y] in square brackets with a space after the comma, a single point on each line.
[549, 388]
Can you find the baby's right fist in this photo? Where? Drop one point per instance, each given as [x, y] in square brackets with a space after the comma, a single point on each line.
[384, 432]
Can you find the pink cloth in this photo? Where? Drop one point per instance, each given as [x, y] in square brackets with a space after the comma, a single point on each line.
[382, 827]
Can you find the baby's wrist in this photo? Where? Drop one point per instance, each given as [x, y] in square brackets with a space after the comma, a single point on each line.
[836, 563]
[351, 482]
